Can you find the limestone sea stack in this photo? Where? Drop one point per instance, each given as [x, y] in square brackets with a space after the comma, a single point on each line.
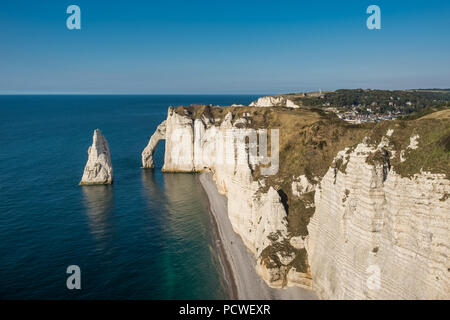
[98, 169]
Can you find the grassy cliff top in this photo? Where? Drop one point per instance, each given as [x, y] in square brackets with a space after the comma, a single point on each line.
[311, 138]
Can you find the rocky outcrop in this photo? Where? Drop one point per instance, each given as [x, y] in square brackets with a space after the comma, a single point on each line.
[301, 185]
[291, 104]
[277, 101]
[98, 169]
[147, 154]
[377, 235]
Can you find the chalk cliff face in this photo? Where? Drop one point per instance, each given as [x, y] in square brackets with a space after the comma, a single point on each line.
[98, 169]
[373, 234]
[377, 235]
[196, 145]
[274, 102]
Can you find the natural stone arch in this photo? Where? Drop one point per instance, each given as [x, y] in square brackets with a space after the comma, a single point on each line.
[147, 154]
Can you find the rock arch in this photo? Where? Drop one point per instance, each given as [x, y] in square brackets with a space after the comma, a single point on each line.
[147, 154]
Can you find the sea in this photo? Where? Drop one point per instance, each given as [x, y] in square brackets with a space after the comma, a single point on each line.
[147, 236]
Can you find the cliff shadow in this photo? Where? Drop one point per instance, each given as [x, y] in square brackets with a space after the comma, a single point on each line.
[284, 200]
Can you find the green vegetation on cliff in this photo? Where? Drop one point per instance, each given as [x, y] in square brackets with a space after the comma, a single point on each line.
[309, 142]
[381, 101]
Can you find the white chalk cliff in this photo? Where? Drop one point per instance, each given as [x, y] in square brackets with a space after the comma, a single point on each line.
[274, 102]
[377, 235]
[373, 235]
[196, 145]
[98, 169]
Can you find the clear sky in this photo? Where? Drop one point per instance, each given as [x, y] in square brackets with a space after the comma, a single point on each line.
[222, 46]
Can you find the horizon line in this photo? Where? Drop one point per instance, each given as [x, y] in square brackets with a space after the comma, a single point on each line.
[120, 94]
[193, 94]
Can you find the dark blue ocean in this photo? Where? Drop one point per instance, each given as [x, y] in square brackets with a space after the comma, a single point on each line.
[148, 236]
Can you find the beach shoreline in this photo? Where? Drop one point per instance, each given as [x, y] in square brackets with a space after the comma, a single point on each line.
[223, 259]
[237, 261]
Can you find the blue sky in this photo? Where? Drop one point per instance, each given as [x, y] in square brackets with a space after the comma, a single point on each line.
[222, 46]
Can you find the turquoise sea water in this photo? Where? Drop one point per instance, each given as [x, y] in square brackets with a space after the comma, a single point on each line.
[148, 236]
